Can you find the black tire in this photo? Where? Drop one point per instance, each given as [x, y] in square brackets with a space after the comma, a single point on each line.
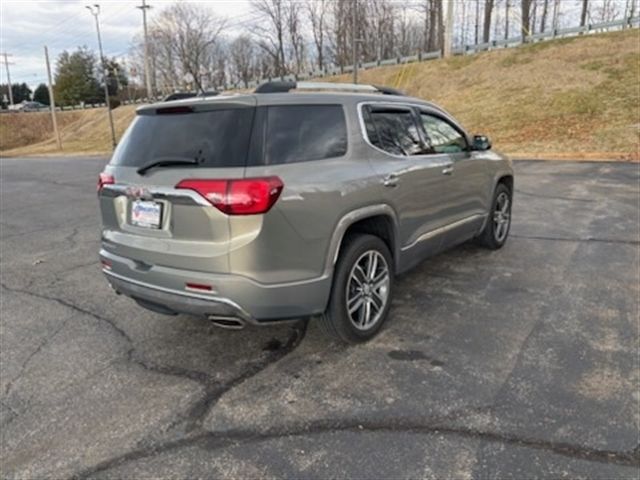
[489, 236]
[336, 321]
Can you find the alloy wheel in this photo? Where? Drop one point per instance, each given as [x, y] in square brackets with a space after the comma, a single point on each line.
[501, 217]
[367, 289]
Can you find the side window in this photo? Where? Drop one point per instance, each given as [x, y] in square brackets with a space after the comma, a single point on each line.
[397, 132]
[302, 133]
[442, 136]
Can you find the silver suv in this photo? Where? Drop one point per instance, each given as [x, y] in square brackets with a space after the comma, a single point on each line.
[286, 204]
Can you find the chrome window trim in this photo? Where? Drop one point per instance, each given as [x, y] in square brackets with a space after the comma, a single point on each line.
[428, 109]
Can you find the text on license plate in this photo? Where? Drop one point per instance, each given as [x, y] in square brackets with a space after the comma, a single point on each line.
[146, 214]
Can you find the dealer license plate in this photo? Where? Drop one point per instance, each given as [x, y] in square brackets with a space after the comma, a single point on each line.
[146, 214]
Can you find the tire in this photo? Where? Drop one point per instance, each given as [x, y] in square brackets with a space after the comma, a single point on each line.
[349, 282]
[496, 231]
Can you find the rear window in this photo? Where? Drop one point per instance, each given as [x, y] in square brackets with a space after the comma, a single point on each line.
[302, 133]
[216, 138]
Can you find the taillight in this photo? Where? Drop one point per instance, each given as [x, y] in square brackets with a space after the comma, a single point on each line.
[105, 179]
[246, 196]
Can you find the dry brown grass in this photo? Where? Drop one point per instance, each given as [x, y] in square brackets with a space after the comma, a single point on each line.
[570, 98]
[82, 131]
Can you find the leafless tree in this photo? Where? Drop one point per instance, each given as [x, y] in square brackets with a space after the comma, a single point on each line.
[584, 13]
[434, 22]
[556, 14]
[608, 10]
[190, 32]
[533, 17]
[507, 9]
[408, 31]
[294, 26]
[317, 10]
[488, 11]
[243, 59]
[543, 19]
[272, 36]
[477, 28]
[525, 16]
[496, 19]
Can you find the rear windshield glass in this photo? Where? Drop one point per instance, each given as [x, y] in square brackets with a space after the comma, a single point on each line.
[215, 138]
[301, 133]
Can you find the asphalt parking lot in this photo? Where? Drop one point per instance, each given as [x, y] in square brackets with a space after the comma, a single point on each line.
[512, 364]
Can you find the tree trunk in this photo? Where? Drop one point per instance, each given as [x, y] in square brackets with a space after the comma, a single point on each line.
[506, 20]
[433, 25]
[477, 20]
[440, 25]
[543, 20]
[526, 8]
[486, 30]
[583, 15]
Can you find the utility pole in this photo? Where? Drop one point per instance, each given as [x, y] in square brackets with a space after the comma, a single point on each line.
[95, 11]
[147, 73]
[52, 101]
[6, 65]
[354, 40]
[448, 31]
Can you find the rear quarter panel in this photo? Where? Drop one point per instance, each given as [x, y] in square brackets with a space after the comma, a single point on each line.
[291, 242]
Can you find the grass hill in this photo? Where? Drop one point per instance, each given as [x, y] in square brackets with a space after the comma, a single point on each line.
[576, 97]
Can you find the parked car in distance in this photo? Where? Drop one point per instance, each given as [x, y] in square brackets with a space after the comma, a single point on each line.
[28, 106]
[297, 201]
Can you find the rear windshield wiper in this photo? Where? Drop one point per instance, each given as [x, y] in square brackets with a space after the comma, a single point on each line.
[167, 162]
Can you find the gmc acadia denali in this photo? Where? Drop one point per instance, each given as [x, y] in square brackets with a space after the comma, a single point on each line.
[297, 201]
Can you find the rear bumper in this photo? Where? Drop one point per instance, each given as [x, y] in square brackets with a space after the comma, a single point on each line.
[163, 289]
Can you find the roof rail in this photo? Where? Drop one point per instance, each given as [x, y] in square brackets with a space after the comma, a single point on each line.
[184, 95]
[286, 86]
[388, 90]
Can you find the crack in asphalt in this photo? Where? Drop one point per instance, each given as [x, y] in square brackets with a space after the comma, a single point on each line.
[37, 350]
[12, 411]
[73, 307]
[191, 421]
[217, 440]
[131, 353]
[577, 240]
[46, 229]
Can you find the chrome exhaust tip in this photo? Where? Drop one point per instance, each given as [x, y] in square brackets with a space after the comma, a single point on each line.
[229, 323]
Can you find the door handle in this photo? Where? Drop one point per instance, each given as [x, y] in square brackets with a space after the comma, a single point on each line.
[390, 180]
[448, 170]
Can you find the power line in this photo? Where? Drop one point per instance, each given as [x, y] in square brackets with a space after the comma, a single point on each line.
[73, 39]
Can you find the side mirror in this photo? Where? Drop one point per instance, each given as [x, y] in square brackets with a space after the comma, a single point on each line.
[481, 142]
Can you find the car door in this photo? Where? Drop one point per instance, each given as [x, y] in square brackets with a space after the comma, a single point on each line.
[465, 197]
[413, 181]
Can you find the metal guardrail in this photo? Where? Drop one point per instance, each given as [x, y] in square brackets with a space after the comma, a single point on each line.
[465, 50]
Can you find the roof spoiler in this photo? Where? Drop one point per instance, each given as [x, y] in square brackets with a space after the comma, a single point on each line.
[286, 86]
[184, 95]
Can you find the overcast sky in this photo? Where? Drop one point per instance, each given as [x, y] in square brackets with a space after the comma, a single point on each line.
[26, 26]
